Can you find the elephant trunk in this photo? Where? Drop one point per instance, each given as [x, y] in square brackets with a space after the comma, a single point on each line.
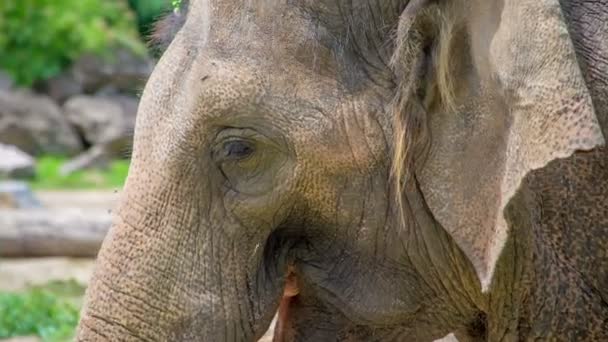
[176, 270]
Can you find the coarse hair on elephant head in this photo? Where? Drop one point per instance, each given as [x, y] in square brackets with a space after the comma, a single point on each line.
[424, 26]
[355, 164]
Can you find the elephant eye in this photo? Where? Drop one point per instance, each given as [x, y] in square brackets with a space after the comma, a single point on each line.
[237, 149]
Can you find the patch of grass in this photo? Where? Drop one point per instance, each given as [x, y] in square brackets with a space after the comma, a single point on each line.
[50, 312]
[48, 175]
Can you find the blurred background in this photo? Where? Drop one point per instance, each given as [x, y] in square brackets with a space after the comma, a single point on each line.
[71, 73]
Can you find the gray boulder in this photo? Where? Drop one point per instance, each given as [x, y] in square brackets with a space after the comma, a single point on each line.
[107, 123]
[123, 69]
[35, 124]
[15, 163]
[6, 82]
[60, 87]
[102, 119]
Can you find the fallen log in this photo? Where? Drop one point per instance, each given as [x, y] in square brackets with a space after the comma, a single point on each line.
[43, 232]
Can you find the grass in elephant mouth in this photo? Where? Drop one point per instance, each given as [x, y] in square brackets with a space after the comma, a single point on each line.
[50, 311]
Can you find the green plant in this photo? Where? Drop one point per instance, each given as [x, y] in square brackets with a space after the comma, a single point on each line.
[40, 38]
[48, 175]
[177, 4]
[50, 311]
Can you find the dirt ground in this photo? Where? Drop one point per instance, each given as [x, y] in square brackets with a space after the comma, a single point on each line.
[18, 274]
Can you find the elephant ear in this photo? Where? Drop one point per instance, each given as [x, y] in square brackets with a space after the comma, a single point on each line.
[518, 101]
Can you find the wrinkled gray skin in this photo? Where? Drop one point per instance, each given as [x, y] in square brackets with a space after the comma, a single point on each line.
[264, 143]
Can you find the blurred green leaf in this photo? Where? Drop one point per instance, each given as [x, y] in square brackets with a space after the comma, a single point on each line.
[40, 38]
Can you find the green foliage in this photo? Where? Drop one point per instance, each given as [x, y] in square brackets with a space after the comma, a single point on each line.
[40, 38]
[48, 175]
[176, 4]
[50, 312]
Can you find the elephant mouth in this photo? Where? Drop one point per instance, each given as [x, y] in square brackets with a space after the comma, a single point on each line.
[290, 292]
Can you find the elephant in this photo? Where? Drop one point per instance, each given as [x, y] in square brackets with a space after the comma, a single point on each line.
[391, 170]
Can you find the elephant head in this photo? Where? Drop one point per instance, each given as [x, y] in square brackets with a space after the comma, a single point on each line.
[346, 161]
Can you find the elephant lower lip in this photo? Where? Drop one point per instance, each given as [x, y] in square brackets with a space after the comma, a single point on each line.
[290, 292]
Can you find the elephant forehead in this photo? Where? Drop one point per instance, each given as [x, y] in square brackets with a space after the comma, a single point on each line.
[294, 35]
[266, 28]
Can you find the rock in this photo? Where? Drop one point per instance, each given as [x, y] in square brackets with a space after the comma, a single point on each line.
[129, 106]
[60, 87]
[102, 119]
[17, 195]
[107, 123]
[15, 163]
[35, 124]
[99, 119]
[124, 70]
[107, 90]
[6, 82]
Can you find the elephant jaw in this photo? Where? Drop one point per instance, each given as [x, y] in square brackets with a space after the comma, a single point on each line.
[290, 291]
